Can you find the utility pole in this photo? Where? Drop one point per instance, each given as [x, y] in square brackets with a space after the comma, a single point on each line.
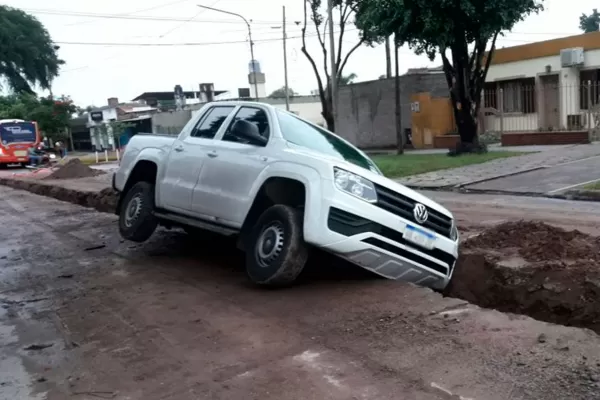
[333, 83]
[285, 68]
[388, 58]
[249, 39]
[398, 105]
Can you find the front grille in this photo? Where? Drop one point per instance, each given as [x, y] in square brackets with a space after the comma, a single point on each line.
[408, 255]
[402, 206]
[348, 224]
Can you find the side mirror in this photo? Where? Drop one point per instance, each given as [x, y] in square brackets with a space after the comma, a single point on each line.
[248, 131]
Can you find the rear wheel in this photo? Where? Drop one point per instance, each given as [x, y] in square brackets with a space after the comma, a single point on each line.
[136, 219]
[277, 253]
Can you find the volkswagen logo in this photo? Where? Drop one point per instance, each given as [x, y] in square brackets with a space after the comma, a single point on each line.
[420, 213]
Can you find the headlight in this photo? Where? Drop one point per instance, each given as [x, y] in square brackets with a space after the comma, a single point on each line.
[454, 231]
[355, 185]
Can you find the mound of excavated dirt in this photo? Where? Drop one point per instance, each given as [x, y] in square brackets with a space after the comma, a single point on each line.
[533, 269]
[536, 241]
[73, 169]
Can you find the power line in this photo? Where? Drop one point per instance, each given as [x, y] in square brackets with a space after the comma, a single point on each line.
[133, 12]
[64, 13]
[185, 43]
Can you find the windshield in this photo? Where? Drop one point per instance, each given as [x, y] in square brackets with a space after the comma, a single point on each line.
[303, 134]
[17, 132]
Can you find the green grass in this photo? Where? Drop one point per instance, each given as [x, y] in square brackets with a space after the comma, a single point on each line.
[593, 186]
[394, 166]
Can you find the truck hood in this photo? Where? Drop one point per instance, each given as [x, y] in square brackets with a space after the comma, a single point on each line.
[370, 175]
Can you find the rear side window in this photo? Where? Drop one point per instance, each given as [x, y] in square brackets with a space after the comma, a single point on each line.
[253, 115]
[209, 125]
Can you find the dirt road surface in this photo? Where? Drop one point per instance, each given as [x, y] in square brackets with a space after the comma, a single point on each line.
[85, 316]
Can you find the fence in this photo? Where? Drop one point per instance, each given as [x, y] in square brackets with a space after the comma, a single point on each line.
[524, 106]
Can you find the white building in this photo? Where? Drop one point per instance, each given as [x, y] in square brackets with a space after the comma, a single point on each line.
[544, 86]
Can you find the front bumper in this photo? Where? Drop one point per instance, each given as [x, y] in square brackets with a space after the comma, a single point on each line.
[372, 238]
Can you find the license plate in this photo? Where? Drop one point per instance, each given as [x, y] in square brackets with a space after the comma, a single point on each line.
[20, 153]
[22, 159]
[419, 237]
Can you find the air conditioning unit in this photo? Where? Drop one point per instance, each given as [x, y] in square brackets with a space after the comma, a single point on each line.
[572, 57]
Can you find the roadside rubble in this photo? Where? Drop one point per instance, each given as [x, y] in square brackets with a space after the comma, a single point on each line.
[73, 169]
[534, 269]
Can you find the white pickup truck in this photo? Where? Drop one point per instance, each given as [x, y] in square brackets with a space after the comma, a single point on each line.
[282, 185]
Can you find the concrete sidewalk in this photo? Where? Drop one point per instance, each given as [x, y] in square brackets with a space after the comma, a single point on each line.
[548, 181]
[476, 173]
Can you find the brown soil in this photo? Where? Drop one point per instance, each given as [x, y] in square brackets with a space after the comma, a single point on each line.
[534, 269]
[73, 169]
[104, 200]
[536, 241]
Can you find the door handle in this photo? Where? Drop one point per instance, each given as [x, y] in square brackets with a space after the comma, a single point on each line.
[178, 149]
[213, 154]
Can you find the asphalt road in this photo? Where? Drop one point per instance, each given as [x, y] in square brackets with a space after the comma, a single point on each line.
[553, 180]
[85, 315]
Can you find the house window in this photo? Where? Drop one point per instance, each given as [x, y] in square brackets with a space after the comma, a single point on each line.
[490, 95]
[518, 95]
[589, 88]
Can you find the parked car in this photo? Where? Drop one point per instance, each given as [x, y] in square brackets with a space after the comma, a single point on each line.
[282, 185]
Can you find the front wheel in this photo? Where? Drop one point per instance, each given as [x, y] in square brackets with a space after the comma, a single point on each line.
[136, 219]
[277, 253]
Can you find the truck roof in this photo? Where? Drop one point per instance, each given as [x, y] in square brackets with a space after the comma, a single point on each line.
[242, 103]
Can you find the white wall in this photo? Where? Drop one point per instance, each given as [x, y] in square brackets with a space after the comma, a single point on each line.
[307, 107]
[512, 123]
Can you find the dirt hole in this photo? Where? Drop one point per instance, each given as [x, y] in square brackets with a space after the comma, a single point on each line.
[534, 269]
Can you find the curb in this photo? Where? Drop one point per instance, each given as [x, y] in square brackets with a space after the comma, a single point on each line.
[572, 195]
[462, 185]
[103, 201]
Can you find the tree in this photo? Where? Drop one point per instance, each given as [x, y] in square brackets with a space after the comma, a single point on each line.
[590, 23]
[343, 10]
[280, 93]
[52, 114]
[344, 80]
[27, 55]
[449, 28]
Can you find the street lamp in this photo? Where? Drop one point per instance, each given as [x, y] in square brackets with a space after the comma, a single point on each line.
[249, 38]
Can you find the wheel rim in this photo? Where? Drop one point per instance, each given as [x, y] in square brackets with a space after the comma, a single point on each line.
[133, 210]
[269, 244]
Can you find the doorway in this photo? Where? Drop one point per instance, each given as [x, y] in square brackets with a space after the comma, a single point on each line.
[550, 101]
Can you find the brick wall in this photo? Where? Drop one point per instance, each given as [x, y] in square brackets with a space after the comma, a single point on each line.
[366, 109]
[545, 138]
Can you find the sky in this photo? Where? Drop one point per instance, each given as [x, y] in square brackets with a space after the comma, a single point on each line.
[123, 48]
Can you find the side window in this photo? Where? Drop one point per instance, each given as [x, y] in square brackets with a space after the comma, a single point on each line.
[254, 115]
[209, 125]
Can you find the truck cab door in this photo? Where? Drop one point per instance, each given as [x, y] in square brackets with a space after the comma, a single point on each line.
[228, 176]
[186, 160]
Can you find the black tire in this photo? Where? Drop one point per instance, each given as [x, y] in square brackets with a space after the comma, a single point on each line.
[283, 258]
[137, 221]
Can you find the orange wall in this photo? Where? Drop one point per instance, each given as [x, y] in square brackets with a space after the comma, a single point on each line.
[547, 48]
[434, 118]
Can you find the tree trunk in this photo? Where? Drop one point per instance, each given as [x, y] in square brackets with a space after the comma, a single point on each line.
[398, 105]
[388, 59]
[327, 114]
